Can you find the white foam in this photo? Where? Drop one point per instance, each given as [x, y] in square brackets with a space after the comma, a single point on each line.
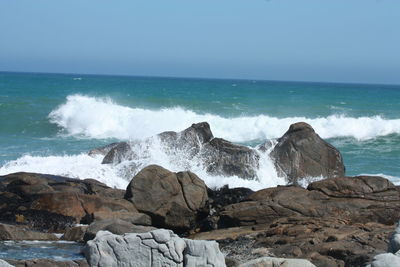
[75, 166]
[102, 118]
[119, 175]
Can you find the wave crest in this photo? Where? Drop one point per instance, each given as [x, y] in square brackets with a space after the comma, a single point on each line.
[102, 118]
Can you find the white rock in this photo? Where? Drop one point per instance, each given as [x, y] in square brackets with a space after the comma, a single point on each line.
[164, 249]
[5, 264]
[394, 242]
[386, 260]
[272, 262]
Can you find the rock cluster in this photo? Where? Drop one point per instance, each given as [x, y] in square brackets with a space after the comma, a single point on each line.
[300, 153]
[338, 221]
[156, 248]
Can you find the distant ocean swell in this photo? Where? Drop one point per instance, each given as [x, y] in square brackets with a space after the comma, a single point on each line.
[92, 117]
[98, 118]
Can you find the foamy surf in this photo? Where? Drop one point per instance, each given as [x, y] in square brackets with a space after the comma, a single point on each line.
[103, 118]
[119, 175]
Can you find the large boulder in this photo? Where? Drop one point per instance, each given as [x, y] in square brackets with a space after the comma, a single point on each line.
[225, 158]
[301, 153]
[173, 200]
[156, 248]
[357, 199]
[220, 156]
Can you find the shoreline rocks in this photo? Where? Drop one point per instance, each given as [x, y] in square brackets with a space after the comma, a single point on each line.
[156, 248]
[299, 154]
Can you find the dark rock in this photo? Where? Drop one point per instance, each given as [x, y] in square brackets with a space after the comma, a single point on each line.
[103, 150]
[220, 156]
[173, 200]
[225, 158]
[301, 153]
[120, 152]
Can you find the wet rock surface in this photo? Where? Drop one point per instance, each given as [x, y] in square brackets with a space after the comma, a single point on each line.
[299, 154]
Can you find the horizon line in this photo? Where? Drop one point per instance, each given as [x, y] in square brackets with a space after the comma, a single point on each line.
[198, 78]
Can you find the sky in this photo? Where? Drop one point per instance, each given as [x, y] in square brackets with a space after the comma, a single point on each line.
[290, 40]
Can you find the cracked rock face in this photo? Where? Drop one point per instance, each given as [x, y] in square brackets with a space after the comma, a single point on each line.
[173, 200]
[154, 249]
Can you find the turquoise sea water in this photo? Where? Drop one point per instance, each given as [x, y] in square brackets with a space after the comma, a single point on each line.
[49, 121]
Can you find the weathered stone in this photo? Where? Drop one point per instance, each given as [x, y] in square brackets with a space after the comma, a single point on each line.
[301, 153]
[170, 250]
[329, 198]
[11, 232]
[171, 199]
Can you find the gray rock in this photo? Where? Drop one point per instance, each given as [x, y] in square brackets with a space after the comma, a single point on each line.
[394, 243]
[5, 264]
[386, 260]
[132, 250]
[301, 153]
[273, 262]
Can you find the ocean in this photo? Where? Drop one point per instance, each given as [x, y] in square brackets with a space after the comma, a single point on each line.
[48, 122]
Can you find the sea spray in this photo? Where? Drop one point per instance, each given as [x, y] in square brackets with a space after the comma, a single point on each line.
[152, 151]
[93, 117]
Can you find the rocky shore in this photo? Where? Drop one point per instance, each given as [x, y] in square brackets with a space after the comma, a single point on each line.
[337, 221]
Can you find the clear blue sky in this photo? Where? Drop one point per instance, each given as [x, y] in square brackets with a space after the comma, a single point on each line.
[313, 40]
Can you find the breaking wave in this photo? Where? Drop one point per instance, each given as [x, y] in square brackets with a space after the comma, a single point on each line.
[102, 118]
